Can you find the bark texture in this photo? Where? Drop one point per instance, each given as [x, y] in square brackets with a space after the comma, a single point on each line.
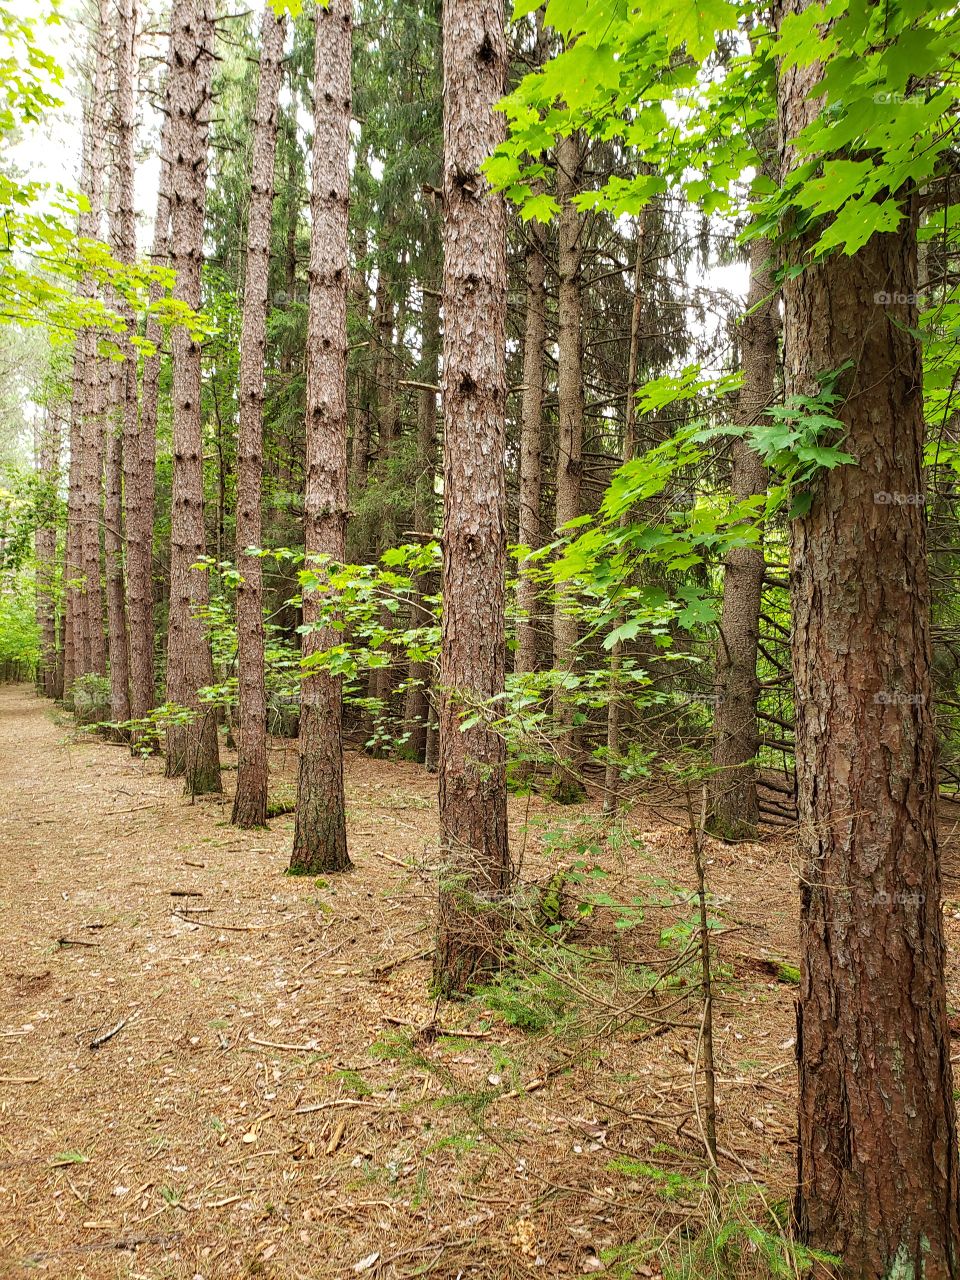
[877, 1171]
[733, 807]
[87, 648]
[122, 424]
[250, 801]
[193, 750]
[473, 809]
[320, 834]
[140, 439]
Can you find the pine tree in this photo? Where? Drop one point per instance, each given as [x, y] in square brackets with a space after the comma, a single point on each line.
[250, 802]
[473, 810]
[878, 1173]
[192, 750]
[320, 834]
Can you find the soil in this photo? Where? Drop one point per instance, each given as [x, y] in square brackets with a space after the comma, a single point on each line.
[210, 1069]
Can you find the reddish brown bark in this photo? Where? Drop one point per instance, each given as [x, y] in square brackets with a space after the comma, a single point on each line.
[320, 834]
[250, 802]
[473, 810]
[85, 601]
[193, 750]
[140, 439]
[877, 1177]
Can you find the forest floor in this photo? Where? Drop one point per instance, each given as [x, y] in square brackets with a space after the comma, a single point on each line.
[280, 1096]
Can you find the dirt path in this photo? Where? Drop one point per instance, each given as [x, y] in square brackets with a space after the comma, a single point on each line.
[262, 1103]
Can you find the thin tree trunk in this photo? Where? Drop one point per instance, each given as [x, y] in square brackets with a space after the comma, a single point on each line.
[121, 422]
[86, 613]
[45, 551]
[611, 792]
[734, 809]
[567, 785]
[417, 701]
[473, 801]
[192, 751]
[250, 802]
[320, 833]
[139, 459]
[531, 443]
[877, 1178]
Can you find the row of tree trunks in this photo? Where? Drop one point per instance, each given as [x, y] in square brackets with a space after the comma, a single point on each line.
[250, 801]
[192, 748]
[320, 835]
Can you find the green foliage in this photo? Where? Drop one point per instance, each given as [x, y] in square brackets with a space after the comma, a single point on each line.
[19, 634]
[90, 699]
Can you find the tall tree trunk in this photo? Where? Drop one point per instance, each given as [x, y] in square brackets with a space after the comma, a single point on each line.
[417, 701]
[139, 460]
[45, 551]
[473, 800]
[612, 773]
[192, 751]
[85, 600]
[122, 425]
[567, 786]
[320, 832]
[531, 443]
[877, 1180]
[733, 807]
[250, 802]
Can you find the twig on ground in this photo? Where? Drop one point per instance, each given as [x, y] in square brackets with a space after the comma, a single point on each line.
[97, 1041]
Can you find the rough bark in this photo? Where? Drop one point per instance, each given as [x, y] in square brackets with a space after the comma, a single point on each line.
[140, 462]
[122, 423]
[320, 835]
[193, 750]
[250, 802]
[877, 1180]
[567, 786]
[733, 806]
[86, 603]
[473, 810]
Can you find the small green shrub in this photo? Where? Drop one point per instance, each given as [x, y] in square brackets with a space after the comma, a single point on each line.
[90, 696]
